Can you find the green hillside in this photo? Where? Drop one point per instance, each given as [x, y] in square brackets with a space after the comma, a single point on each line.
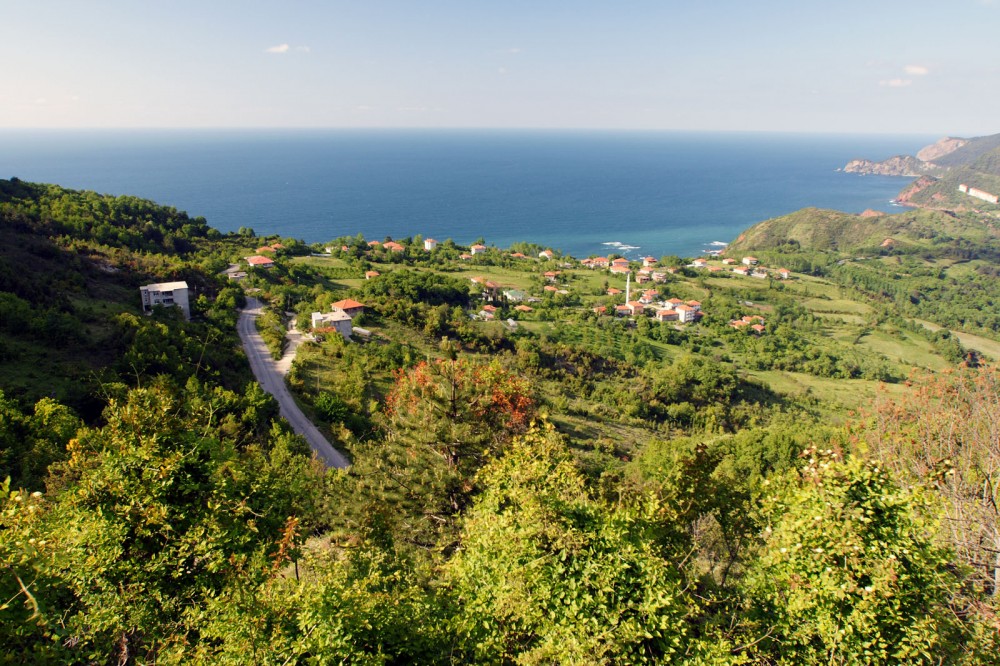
[914, 231]
[536, 476]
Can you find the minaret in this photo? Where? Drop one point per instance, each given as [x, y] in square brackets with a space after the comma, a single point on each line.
[628, 288]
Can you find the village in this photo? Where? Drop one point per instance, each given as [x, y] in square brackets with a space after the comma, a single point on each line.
[644, 294]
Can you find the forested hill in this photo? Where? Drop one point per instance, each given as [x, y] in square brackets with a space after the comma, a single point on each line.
[70, 267]
[802, 474]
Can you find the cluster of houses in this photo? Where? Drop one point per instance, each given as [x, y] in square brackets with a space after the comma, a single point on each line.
[621, 266]
[683, 312]
[755, 322]
[748, 266]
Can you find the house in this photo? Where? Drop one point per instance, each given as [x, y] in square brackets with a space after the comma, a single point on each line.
[477, 249]
[635, 307]
[350, 306]
[490, 308]
[374, 244]
[758, 328]
[648, 262]
[759, 273]
[264, 249]
[728, 261]
[613, 291]
[622, 310]
[685, 313]
[601, 309]
[430, 244]
[784, 273]
[620, 262]
[643, 279]
[550, 287]
[338, 320]
[393, 246]
[550, 276]
[620, 269]
[659, 277]
[518, 255]
[167, 294]
[750, 261]
[515, 295]
[674, 302]
[546, 254]
[700, 262]
[648, 296]
[464, 256]
[667, 315]
[741, 270]
[695, 305]
[524, 308]
[258, 261]
[715, 269]
[371, 274]
[600, 262]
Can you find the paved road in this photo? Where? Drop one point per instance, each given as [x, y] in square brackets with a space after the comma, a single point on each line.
[273, 381]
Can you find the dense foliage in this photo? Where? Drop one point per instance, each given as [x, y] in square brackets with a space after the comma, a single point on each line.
[551, 486]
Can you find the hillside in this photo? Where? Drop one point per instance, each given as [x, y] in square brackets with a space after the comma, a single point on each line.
[531, 456]
[940, 169]
[818, 230]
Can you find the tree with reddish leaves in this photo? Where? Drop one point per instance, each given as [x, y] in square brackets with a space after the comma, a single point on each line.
[443, 420]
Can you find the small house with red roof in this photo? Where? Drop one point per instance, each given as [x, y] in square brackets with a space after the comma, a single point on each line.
[258, 261]
[350, 306]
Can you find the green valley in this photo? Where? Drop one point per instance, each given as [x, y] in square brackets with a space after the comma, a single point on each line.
[782, 454]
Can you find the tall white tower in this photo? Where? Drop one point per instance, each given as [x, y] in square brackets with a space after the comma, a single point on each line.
[628, 288]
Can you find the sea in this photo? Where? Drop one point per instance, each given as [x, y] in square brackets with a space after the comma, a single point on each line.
[583, 193]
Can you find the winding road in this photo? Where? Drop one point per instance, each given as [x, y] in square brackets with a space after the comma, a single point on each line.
[272, 380]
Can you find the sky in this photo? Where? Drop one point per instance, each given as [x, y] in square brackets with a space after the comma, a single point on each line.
[872, 66]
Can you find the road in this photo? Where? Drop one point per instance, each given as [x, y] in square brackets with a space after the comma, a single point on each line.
[273, 381]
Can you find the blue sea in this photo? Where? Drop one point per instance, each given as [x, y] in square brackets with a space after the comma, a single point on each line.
[580, 192]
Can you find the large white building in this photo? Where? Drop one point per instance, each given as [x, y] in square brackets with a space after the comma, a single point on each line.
[166, 294]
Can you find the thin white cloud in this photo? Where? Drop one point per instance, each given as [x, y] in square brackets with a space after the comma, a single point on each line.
[302, 49]
[280, 48]
[916, 70]
[896, 83]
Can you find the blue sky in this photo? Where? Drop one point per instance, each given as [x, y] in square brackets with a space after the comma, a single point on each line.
[808, 65]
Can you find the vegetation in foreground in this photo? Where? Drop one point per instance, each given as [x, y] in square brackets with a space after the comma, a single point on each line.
[569, 488]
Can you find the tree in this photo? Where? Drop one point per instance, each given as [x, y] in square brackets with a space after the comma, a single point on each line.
[849, 572]
[548, 574]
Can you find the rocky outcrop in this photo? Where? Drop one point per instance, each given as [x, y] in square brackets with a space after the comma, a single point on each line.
[900, 165]
[914, 188]
[940, 148]
[872, 213]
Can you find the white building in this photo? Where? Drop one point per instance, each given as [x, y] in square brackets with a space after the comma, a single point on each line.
[430, 244]
[338, 320]
[166, 294]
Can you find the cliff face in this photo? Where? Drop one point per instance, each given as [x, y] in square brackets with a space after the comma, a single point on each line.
[940, 148]
[900, 165]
